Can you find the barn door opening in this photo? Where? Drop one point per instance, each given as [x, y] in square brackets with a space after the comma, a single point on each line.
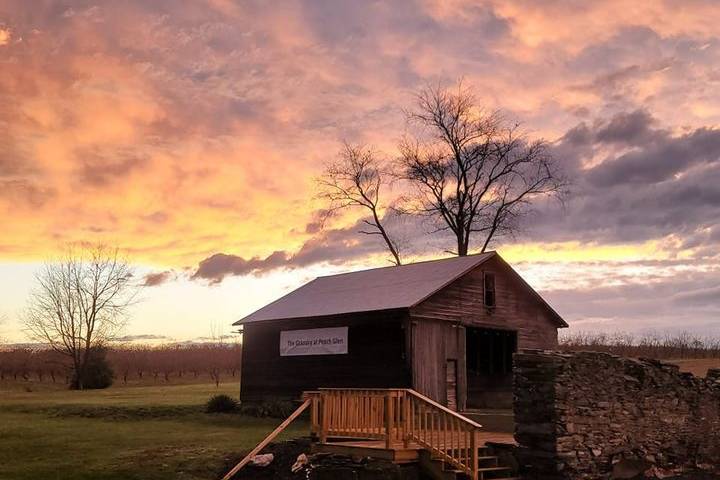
[451, 384]
[489, 367]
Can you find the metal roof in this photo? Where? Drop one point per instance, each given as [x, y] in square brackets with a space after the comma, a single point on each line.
[377, 289]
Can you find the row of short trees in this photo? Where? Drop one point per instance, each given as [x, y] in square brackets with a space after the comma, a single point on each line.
[659, 346]
[166, 363]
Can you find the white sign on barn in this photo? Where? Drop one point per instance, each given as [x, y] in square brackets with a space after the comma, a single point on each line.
[315, 341]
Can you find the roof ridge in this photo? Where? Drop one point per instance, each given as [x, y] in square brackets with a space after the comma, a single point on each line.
[408, 264]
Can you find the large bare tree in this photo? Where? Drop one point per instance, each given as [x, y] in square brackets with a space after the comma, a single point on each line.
[355, 179]
[80, 303]
[469, 170]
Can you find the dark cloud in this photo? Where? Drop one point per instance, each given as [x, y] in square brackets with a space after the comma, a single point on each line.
[709, 296]
[665, 184]
[220, 265]
[141, 337]
[157, 217]
[12, 161]
[332, 246]
[157, 278]
[658, 160]
[25, 194]
[669, 296]
[99, 170]
[629, 128]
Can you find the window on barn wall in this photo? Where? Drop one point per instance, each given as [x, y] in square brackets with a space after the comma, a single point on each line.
[489, 289]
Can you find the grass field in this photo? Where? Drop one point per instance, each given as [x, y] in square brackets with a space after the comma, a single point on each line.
[136, 432]
[146, 432]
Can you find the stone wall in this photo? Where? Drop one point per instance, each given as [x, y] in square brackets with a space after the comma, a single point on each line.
[581, 415]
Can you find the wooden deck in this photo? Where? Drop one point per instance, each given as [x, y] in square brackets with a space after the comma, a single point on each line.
[398, 451]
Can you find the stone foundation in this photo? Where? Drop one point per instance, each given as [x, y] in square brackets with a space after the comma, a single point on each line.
[581, 415]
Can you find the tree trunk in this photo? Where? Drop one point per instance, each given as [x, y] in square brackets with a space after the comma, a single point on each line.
[462, 246]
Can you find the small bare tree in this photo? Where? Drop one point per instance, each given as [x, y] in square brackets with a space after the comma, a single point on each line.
[355, 179]
[470, 172]
[214, 352]
[80, 303]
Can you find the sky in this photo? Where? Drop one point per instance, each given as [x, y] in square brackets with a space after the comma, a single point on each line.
[189, 134]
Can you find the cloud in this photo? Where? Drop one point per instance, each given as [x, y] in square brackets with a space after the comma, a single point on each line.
[658, 161]
[135, 107]
[98, 170]
[5, 35]
[709, 296]
[157, 278]
[668, 295]
[334, 246]
[188, 135]
[634, 182]
[627, 128]
[142, 337]
[219, 265]
[24, 195]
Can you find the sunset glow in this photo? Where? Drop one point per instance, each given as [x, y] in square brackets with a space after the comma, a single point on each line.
[179, 131]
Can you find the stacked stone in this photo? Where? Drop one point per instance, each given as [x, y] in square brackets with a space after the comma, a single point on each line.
[580, 414]
[535, 411]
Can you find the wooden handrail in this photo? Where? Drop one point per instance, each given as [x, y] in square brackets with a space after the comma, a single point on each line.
[449, 435]
[268, 439]
[442, 407]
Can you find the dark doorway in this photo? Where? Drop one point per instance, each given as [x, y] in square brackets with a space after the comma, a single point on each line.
[489, 367]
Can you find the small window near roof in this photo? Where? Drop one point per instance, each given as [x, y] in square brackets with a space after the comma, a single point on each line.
[489, 289]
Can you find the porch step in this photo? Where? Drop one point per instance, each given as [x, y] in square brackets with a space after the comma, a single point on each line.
[495, 473]
[483, 461]
[489, 468]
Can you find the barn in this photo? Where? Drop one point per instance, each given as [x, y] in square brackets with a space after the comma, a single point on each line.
[447, 328]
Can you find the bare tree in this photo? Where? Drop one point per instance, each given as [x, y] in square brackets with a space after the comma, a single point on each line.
[355, 179]
[471, 172]
[80, 303]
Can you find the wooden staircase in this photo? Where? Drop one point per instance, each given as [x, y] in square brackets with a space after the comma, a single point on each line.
[404, 426]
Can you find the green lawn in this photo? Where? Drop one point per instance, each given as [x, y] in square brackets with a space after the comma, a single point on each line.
[157, 432]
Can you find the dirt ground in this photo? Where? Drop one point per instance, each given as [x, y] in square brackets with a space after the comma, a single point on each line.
[285, 453]
[698, 367]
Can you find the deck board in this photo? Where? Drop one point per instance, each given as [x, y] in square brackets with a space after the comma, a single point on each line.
[398, 452]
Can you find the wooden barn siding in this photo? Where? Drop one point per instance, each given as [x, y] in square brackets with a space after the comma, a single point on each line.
[437, 339]
[434, 342]
[376, 357]
[516, 308]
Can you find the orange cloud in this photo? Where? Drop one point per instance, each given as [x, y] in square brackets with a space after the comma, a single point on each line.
[4, 36]
[179, 136]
